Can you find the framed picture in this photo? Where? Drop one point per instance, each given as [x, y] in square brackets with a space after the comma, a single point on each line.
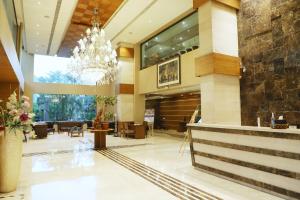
[168, 72]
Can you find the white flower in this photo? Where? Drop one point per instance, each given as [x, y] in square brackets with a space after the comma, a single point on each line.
[13, 112]
[31, 115]
[26, 104]
[25, 98]
[13, 98]
[16, 119]
[10, 106]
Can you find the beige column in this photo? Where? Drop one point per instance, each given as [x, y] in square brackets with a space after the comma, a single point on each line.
[125, 84]
[219, 65]
[139, 99]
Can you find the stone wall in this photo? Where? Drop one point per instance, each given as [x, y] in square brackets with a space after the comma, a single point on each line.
[269, 46]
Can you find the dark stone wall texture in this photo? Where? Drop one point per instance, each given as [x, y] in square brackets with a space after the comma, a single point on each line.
[269, 47]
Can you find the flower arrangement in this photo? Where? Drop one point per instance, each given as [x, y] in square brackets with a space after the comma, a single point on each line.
[17, 114]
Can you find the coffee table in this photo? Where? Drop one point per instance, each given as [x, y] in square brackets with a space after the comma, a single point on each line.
[100, 138]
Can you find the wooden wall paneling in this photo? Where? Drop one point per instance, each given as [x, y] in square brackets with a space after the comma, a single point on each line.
[177, 109]
[7, 73]
[6, 89]
[231, 3]
[125, 52]
[126, 88]
[216, 63]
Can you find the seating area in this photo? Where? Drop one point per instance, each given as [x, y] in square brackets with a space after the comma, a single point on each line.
[132, 130]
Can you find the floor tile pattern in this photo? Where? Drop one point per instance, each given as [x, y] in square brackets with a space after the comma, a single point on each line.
[170, 184]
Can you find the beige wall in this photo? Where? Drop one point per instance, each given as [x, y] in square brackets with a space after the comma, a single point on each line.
[148, 77]
[224, 29]
[220, 99]
[139, 99]
[220, 94]
[9, 46]
[125, 101]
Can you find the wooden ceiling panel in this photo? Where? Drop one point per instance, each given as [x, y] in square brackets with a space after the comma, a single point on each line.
[81, 20]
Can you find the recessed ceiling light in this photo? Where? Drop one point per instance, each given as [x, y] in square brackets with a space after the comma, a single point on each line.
[173, 48]
[37, 25]
[39, 3]
[183, 22]
[156, 38]
[180, 38]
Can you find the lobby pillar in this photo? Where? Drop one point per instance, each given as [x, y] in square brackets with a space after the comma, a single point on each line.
[219, 64]
[125, 84]
[139, 99]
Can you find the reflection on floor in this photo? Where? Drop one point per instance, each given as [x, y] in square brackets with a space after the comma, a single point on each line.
[64, 168]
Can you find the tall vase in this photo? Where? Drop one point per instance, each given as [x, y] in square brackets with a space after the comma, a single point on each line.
[11, 146]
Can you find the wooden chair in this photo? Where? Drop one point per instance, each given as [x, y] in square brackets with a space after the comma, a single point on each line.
[126, 130]
[146, 128]
[76, 131]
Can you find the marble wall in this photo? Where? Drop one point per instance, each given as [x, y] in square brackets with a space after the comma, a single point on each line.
[269, 46]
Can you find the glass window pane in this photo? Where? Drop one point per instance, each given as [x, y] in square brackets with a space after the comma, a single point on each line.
[53, 69]
[64, 107]
[180, 38]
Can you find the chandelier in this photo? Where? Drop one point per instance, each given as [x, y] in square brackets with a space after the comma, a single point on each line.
[94, 55]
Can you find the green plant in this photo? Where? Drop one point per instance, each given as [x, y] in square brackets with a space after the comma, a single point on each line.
[105, 102]
[108, 116]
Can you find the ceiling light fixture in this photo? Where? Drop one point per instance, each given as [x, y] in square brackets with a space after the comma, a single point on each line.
[95, 55]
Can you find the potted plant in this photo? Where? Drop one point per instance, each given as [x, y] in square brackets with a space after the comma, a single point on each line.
[104, 115]
[14, 119]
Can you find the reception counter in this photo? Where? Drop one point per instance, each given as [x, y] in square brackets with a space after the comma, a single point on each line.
[264, 158]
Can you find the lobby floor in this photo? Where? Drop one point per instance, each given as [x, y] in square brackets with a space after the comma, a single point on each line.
[64, 168]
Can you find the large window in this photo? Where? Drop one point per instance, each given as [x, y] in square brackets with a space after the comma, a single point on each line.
[180, 38]
[64, 107]
[53, 69]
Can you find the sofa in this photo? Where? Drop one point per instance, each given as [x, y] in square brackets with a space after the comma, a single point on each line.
[65, 126]
[40, 130]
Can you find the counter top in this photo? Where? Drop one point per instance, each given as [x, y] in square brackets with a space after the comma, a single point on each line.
[249, 128]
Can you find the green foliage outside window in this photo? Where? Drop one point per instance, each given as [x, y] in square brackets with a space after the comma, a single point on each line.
[62, 107]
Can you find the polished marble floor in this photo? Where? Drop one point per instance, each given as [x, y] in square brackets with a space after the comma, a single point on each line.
[64, 168]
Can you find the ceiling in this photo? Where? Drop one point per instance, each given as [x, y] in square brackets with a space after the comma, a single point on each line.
[148, 16]
[45, 22]
[81, 20]
[53, 26]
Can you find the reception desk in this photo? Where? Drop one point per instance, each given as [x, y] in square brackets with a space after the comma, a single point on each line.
[264, 158]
